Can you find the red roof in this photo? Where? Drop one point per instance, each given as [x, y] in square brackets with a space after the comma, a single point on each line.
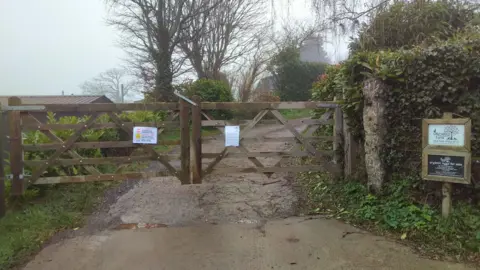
[35, 100]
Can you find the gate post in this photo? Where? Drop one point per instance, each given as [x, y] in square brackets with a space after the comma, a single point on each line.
[196, 141]
[184, 142]
[350, 151]
[338, 139]
[3, 132]
[16, 156]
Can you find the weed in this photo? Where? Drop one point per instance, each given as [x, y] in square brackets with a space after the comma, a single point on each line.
[36, 219]
[396, 213]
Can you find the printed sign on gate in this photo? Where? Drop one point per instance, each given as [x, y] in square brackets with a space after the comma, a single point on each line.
[145, 135]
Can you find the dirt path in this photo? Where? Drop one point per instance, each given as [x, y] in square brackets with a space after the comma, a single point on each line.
[235, 221]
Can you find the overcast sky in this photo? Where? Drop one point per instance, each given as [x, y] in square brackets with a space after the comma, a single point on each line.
[50, 46]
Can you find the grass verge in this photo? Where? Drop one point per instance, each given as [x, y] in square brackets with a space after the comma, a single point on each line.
[398, 213]
[41, 213]
[36, 217]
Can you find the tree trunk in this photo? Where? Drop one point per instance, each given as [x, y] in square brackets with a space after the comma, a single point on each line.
[163, 79]
[375, 130]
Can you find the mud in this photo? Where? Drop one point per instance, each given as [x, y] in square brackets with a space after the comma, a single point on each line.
[233, 221]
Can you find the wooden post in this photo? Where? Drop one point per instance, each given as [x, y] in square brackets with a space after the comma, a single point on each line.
[184, 142]
[350, 148]
[196, 141]
[16, 155]
[446, 199]
[338, 140]
[3, 129]
[447, 187]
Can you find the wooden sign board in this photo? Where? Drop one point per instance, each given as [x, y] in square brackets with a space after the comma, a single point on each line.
[447, 133]
[446, 166]
[446, 155]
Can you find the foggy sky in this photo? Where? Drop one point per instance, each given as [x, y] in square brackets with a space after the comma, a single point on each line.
[50, 46]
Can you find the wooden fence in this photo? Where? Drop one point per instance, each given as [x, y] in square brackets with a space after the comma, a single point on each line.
[65, 152]
[301, 139]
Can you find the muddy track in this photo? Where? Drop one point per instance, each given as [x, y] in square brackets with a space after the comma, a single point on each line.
[247, 198]
[242, 198]
[234, 221]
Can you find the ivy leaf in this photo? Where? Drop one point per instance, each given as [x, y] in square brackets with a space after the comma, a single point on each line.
[366, 65]
[366, 74]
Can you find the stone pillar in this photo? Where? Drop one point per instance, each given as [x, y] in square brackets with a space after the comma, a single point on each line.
[375, 129]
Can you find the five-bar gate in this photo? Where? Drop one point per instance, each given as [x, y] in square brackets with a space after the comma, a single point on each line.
[65, 145]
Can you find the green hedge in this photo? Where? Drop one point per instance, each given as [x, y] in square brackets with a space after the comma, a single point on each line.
[420, 83]
[406, 24]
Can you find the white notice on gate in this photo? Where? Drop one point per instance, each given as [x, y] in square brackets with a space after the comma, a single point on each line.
[232, 136]
[145, 135]
[447, 135]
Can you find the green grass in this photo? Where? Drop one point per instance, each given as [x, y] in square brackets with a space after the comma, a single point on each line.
[169, 135]
[40, 214]
[400, 212]
[296, 113]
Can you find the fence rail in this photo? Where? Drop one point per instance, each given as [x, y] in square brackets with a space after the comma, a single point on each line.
[63, 152]
[117, 108]
[302, 139]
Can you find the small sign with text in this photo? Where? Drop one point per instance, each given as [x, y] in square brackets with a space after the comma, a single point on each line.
[145, 135]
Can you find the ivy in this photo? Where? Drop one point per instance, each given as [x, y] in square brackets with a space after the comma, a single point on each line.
[398, 212]
[422, 82]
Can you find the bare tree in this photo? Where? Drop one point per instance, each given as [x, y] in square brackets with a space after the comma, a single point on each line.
[223, 35]
[253, 70]
[150, 32]
[294, 35]
[113, 83]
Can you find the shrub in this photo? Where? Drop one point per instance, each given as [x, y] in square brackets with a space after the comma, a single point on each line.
[89, 135]
[211, 91]
[267, 97]
[420, 83]
[397, 211]
[293, 78]
[404, 25]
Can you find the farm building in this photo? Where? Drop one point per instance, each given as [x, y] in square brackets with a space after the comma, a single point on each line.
[39, 100]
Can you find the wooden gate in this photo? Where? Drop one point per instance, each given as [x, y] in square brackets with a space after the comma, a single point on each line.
[66, 149]
[302, 139]
[62, 154]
